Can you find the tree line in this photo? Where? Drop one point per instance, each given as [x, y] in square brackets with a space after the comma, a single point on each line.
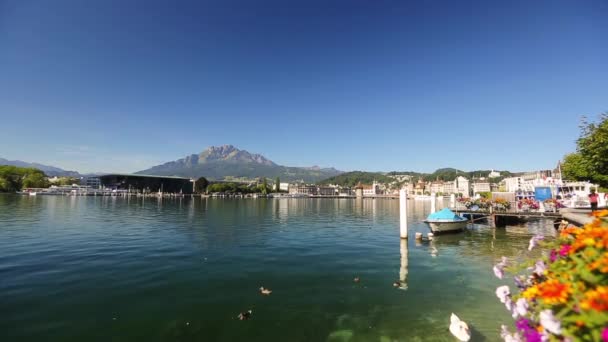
[202, 185]
[14, 178]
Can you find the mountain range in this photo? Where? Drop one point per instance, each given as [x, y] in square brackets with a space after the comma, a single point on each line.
[228, 162]
[51, 171]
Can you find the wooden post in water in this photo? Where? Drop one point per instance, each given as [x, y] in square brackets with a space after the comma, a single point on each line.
[403, 214]
[403, 270]
[453, 201]
[433, 202]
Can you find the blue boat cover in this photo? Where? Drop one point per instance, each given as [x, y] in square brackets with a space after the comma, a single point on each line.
[445, 214]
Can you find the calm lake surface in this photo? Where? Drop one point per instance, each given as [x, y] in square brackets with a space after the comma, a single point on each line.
[115, 269]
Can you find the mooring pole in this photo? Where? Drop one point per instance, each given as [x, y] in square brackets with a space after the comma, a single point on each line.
[452, 201]
[433, 202]
[403, 214]
[403, 270]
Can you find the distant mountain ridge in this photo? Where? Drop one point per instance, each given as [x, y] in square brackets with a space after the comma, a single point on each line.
[51, 171]
[227, 161]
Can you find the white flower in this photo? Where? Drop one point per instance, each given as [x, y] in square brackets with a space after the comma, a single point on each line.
[540, 267]
[507, 336]
[550, 322]
[509, 304]
[521, 306]
[534, 240]
[503, 292]
[498, 272]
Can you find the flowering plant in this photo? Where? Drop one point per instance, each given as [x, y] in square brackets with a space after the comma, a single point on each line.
[501, 204]
[564, 295]
[553, 203]
[481, 203]
[527, 203]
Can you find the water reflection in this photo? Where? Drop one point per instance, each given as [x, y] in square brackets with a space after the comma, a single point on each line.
[67, 264]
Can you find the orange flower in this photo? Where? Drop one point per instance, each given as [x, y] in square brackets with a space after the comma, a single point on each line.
[600, 264]
[591, 236]
[570, 231]
[601, 213]
[553, 291]
[596, 299]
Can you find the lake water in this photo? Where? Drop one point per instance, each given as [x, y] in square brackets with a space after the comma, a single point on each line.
[116, 269]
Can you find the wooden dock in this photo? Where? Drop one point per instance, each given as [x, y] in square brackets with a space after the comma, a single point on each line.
[502, 218]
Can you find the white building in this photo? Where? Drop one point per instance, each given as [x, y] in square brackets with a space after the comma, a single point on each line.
[284, 186]
[462, 186]
[481, 187]
[449, 188]
[437, 187]
[494, 174]
[372, 190]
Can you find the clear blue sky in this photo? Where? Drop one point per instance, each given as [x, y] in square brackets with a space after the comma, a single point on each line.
[358, 85]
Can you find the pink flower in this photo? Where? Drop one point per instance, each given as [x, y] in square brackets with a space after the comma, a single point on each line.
[565, 250]
[605, 334]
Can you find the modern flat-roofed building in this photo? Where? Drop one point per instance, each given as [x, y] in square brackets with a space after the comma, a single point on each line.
[147, 183]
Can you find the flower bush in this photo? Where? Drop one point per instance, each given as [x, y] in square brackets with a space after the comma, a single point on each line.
[481, 203]
[552, 203]
[501, 204]
[527, 203]
[564, 295]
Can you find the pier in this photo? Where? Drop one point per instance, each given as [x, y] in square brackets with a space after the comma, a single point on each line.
[578, 217]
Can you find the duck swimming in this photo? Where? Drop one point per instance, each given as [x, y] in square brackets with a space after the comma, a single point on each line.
[244, 315]
[397, 283]
[357, 279]
[459, 329]
[265, 291]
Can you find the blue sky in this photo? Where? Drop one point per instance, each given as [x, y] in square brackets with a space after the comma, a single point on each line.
[359, 85]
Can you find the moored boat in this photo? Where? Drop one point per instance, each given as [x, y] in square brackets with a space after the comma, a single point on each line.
[446, 220]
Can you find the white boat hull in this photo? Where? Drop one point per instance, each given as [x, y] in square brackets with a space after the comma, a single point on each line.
[447, 226]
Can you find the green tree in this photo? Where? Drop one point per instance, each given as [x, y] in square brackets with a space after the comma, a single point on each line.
[590, 162]
[13, 178]
[35, 180]
[593, 147]
[201, 185]
[67, 181]
[277, 185]
[264, 186]
[574, 167]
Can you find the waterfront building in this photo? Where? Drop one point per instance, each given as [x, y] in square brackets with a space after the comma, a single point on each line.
[479, 187]
[449, 187]
[419, 188]
[462, 186]
[371, 190]
[284, 186]
[345, 191]
[302, 189]
[147, 183]
[326, 191]
[437, 187]
[92, 182]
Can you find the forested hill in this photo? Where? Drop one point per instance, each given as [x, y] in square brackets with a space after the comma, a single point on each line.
[444, 174]
[355, 177]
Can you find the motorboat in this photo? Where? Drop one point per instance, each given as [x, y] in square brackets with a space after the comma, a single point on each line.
[446, 220]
